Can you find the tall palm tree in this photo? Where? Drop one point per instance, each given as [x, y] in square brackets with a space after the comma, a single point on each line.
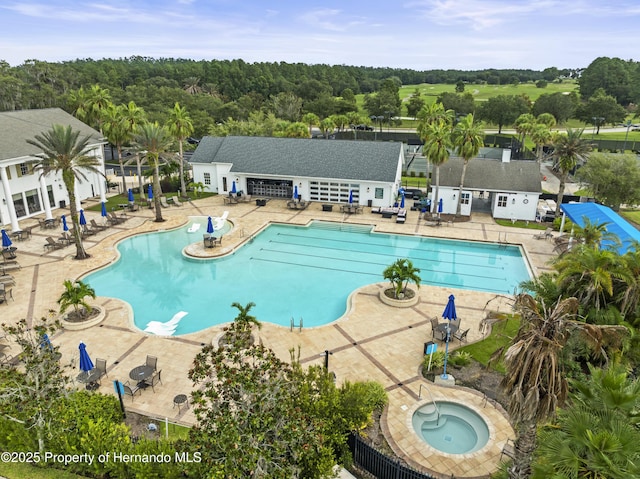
[523, 125]
[568, 151]
[437, 146]
[66, 153]
[180, 127]
[593, 234]
[114, 131]
[467, 138]
[541, 136]
[152, 141]
[131, 116]
[91, 105]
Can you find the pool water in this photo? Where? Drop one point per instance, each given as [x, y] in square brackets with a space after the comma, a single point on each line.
[289, 272]
[457, 429]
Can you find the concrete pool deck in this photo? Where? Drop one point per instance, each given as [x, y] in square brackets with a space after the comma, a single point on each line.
[371, 341]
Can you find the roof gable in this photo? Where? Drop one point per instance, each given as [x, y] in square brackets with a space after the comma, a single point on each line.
[340, 159]
[492, 175]
[16, 127]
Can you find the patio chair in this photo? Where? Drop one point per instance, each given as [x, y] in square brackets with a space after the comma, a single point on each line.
[53, 244]
[209, 241]
[545, 235]
[131, 390]
[26, 232]
[509, 449]
[7, 279]
[155, 379]
[152, 362]
[176, 201]
[115, 220]
[8, 255]
[461, 336]
[163, 202]
[101, 365]
[97, 227]
[86, 231]
[5, 294]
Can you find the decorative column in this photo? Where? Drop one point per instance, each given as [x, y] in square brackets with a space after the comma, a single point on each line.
[45, 196]
[7, 193]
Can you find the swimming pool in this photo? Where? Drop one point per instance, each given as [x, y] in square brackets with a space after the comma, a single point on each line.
[290, 272]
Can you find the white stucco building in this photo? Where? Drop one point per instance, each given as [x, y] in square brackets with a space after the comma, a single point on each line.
[512, 188]
[23, 191]
[320, 170]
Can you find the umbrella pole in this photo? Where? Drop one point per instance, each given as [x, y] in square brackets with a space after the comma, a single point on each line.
[446, 353]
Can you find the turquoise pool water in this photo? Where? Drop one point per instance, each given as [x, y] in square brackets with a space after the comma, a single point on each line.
[289, 271]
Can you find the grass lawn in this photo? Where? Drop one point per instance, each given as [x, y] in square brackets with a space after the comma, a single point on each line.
[22, 471]
[175, 431]
[501, 334]
[532, 225]
[414, 182]
[631, 215]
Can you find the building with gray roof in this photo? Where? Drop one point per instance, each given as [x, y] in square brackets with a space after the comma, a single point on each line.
[23, 192]
[319, 170]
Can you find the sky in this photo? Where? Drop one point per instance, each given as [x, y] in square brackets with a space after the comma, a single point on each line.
[414, 34]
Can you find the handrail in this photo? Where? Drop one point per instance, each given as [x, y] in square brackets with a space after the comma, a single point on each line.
[432, 400]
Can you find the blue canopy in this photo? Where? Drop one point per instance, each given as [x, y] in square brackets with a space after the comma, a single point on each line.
[599, 214]
[83, 220]
[350, 196]
[210, 226]
[295, 192]
[131, 198]
[233, 187]
[64, 223]
[104, 209]
[450, 309]
[150, 192]
[85, 361]
[6, 241]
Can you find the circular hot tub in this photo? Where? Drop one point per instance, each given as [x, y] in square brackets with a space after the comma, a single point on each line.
[450, 427]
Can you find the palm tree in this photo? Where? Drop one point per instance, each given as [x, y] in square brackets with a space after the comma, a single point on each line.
[568, 151]
[114, 131]
[467, 138]
[437, 146]
[628, 293]
[326, 126]
[91, 105]
[541, 136]
[73, 295]
[68, 154]
[131, 116]
[400, 273]
[152, 141]
[535, 381]
[181, 127]
[593, 234]
[310, 119]
[523, 125]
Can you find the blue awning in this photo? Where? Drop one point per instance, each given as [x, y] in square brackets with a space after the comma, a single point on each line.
[599, 214]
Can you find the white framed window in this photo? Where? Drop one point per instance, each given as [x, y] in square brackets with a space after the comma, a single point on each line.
[207, 178]
[465, 198]
[502, 201]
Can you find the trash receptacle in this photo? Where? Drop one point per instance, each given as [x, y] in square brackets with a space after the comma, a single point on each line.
[369, 203]
[63, 203]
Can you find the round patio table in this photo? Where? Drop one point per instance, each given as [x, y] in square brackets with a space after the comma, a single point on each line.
[442, 329]
[90, 379]
[140, 374]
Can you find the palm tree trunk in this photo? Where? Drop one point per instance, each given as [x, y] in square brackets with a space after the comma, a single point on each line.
[69, 182]
[183, 187]
[464, 173]
[563, 179]
[124, 180]
[139, 171]
[156, 190]
[525, 446]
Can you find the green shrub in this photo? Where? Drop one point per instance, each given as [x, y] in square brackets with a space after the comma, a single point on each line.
[412, 174]
[460, 358]
[421, 174]
[437, 361]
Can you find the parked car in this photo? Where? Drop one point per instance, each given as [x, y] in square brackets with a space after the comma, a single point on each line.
[410, 193]
[362, 127]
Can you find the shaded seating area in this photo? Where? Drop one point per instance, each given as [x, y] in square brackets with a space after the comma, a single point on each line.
[351, 209]
[231, 199]
[211, 241]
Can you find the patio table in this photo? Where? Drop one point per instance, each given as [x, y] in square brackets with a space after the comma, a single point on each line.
[442, 329]
[90, 379]
[140, 374]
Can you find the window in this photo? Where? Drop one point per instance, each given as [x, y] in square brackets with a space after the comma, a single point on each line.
[379, 193]
[464, 199]
[33, 201]
[224, 183]
[502, 201]
[24, 169]
[207, 178]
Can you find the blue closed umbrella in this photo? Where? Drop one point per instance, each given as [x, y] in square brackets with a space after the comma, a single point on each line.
[210, 226]
[449, 314]
[104, 209]
[440, 205]
[350, 196]
[86, 364]
[6, 241]
[83, 220]
[131, 198]
[233, 187]
[64, 223]
[150, 193]
[45, 342]
[295, 192]
[402, 200]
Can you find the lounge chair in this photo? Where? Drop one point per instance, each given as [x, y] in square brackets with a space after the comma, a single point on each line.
[86, 231]
[98, 227]
[53, 244]
[7, 279]
[115, 220]
[547, 234]
[163, 202]
[167, 328]
[176, 200]
[8, 255]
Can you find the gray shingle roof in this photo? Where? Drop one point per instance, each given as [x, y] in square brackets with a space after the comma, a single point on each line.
[18, 126]
[340, 159]
[492, 175]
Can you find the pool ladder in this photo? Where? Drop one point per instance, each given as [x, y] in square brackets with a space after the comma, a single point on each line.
[432, 400]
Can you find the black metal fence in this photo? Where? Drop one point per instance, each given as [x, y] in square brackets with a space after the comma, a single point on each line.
[376, 463]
